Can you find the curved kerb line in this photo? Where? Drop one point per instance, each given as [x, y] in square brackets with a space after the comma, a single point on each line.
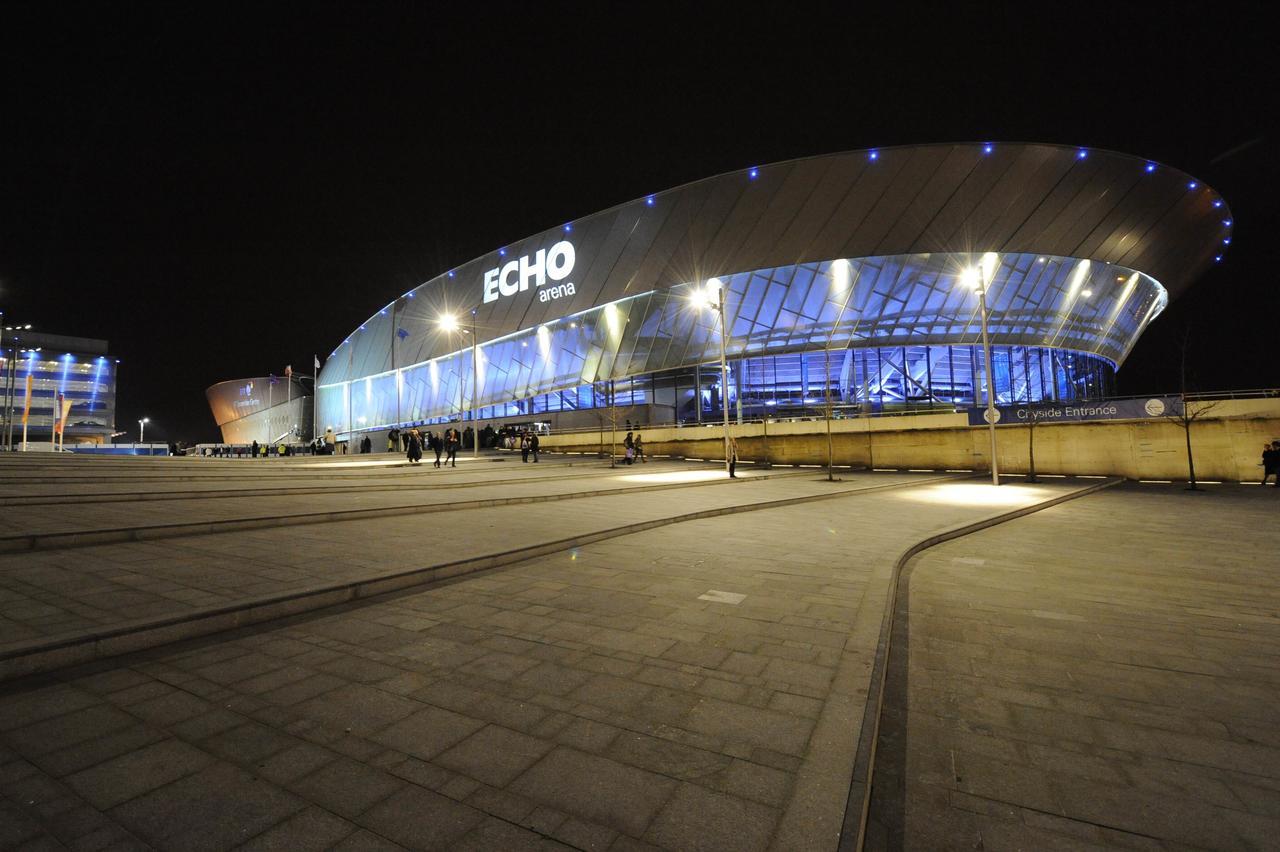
[27, 542]
[860, 785]
[43, 656]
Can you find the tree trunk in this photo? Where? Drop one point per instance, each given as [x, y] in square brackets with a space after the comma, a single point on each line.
[1191, 465]
[1031, 450]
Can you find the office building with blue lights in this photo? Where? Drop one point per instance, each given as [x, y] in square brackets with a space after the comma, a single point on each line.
[850, 274]
[80, 369]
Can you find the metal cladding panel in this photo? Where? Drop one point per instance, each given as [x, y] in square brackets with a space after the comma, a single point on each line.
[693, 257]
[843, 231]
[731, 248]
[873, 234]
[948, 199]
[662, 264]
[649, 236]
[1046, 227]
[1101, 199]
[1015, 198]
[828, 183]
[968, 178]
[1139, 211]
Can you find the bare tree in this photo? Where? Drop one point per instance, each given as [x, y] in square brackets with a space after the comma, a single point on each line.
[1032, 421]
[1188, 410]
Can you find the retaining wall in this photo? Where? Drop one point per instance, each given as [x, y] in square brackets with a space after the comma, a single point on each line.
[1226, 443]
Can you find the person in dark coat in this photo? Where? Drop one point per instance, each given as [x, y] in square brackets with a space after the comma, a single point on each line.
[452, 440]
[1271, 462]
[436, 444]
[414, 453]
[533, 446]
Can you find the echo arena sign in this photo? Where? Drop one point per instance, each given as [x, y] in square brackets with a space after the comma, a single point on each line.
[542, 271]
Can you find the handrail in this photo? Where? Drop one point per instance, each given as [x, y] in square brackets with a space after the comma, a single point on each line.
[1198, 396]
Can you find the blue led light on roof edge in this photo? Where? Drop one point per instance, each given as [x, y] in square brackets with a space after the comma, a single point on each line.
[1150, 167]
[1081, 154]
[873, 154]
[649, 200]
[753, 173]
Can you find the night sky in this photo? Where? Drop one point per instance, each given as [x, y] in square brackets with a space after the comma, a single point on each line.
[223, 189]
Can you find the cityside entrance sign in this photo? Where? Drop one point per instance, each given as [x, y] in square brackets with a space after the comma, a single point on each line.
[1117, 409]
[515, 276]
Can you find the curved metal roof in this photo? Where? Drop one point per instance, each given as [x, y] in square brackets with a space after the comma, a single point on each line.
[913, 200]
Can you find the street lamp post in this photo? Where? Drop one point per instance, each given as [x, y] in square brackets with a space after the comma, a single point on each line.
[142, 426]
[10, 378]
[699, 298]
[841, 278]
[449, 323]
[979, 278]
[475, 388]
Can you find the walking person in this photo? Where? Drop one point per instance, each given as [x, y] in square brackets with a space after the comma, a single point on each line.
[1271, 462]
[524, 447]
[436, 443]
[451, 443]
[639, 444]
[414, 452]
[393, 438]
[628, 449]
[733, 457]
[329, 440]
[533, 446]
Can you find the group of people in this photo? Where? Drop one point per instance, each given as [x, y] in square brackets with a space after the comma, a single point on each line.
[1271, 462]
[416, 442]
[633, 448]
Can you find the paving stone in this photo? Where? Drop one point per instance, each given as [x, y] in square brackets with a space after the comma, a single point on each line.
[362, 709]
[595, 789]
[216, 808]
[427, 732]
[346, 787]
[494, 755]
[698, 819]
[137, 772]
[70, 728]
[85, 754]
[249, 743]
[420, 819]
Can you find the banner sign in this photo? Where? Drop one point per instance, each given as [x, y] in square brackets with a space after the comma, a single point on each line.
[1072, 412]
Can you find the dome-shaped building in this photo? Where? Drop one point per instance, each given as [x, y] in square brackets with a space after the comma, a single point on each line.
[850, 273]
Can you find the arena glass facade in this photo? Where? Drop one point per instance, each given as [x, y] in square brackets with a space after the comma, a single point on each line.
[875, 330]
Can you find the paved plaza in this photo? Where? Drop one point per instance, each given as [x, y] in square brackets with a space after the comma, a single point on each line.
[647, 657]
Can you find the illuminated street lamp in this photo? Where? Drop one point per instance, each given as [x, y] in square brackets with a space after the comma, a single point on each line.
[142, 425]
[10, 377]
[714, 295]
[979, 278]
[449, 324]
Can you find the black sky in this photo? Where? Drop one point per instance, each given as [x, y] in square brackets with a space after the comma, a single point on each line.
[224, 189]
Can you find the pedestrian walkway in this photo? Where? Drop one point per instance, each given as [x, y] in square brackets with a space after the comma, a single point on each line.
[1102, 674]
[697, 686]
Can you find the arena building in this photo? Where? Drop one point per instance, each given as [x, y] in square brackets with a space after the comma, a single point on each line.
[266, 409]
[848, 274]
